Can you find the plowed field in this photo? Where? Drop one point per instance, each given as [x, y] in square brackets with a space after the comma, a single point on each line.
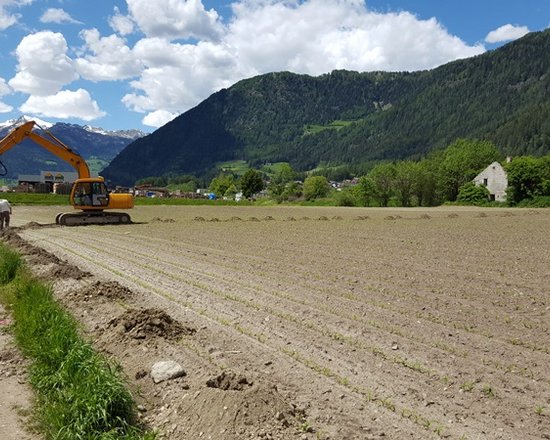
[330, 323]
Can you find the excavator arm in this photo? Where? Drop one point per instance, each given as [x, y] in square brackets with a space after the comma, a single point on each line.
[53, 145]
[89, 194]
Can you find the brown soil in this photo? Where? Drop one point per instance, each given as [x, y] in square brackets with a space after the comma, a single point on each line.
[435, 324]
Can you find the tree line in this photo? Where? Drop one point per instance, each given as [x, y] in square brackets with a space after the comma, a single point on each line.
[444, 176]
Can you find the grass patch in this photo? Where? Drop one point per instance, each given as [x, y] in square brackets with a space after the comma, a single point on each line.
[80, 394]
[334, 125]
[36, 199]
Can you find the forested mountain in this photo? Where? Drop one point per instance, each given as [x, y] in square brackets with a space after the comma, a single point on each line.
[94, 144]
[349, 117]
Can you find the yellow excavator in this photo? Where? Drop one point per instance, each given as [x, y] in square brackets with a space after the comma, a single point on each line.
[88, 194]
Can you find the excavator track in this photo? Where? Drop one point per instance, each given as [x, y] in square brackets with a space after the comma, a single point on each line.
[95, 218]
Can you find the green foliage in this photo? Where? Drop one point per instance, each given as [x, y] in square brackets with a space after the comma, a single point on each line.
[80, 395]
[383, 176]
[10, 262]
[365, 191]
[347, 197]
[36, 199]
[282, 186]
[220, 184]
[472, 194]
[316, 187]
[528, 177]
[251, 183]
[461, 162]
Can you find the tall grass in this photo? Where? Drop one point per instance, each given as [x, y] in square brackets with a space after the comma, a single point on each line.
[80, 394]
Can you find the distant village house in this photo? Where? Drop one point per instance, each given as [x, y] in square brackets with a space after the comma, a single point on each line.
[495, 179]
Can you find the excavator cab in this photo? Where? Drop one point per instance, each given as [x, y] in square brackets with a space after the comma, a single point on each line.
[90, 195]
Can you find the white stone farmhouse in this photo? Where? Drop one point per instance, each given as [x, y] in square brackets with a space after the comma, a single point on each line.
[495, 179]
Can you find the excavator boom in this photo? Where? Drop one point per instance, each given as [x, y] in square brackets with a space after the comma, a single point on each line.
[89, 194]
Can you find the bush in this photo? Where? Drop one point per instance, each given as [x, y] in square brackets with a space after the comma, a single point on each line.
[472, 194]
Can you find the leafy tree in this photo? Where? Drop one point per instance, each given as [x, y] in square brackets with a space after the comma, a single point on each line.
[293, 191]
[220, 184]
[316, 187]
[347, 197]
[383, 176]
[424, 187]
[473, 194]
[283, 176]
[406, 174]
[461, 162]
[231, 192]
[526, 178]
[251, 183]
[364, 191]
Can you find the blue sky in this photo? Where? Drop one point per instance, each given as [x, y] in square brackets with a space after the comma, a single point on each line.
[139, 63]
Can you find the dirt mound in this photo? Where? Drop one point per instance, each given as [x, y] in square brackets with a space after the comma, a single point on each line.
[99, 289]
[253, 219]
[362, 217]
[323, 218]
[199, 219]
[162, 220]
[258, 412]
[141, 324]
[65, 270]
[453, 215]
[268, 218]
[228, 380]
[425, 217]
[234, 219]
[290, 219]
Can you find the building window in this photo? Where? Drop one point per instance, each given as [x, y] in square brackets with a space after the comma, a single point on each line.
[485, 182]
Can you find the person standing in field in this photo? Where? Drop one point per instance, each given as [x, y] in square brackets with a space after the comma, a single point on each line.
[5, 213]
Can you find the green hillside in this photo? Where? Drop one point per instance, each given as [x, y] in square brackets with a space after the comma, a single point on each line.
[349, 117]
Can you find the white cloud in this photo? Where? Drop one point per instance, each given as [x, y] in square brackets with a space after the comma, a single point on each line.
[158, 118]
[56, 15]
[110, 59]
[7, 18]
[313, 37]
[175, 19]
[121, 24]
[506, 33]
[4, 90]
[64, 105]
[43, 65]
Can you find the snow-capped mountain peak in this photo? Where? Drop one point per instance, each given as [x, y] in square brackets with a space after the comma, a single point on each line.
[25, 118]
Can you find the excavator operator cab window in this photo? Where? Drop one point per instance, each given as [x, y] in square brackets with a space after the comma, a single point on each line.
[91, 194]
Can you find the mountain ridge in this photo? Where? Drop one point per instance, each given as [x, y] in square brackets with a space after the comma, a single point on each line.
[94, 144]
[501, 96]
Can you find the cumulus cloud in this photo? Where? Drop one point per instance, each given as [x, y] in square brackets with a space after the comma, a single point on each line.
[56, 15]
[158, 118]
[8, 18]
[313, 37]
[4, 90]
[507, 32]
[175, 19]
[122, 24]
[64, 105]
[43, 64]
[109, 58]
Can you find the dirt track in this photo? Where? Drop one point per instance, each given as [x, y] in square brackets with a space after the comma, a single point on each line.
[326, 323]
